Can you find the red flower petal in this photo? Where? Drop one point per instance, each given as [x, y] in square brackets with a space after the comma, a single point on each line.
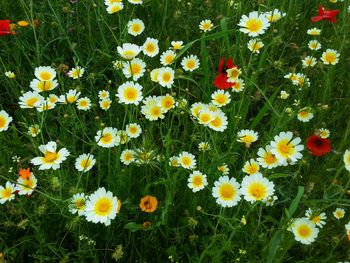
[318, 146]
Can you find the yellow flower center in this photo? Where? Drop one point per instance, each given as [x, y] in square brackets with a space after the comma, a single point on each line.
[84, 103]
[135, 28]
[285, 148]
[304, 231]
[50, 156]
[168, 59]
[221, 99]
[2, 122]
[80, 203]
[130, 93]
[155, 111]
[227, 191]
[150, 47]
[31, 102]
[103, 206]
[270, 158]
[7, 193]
[166, 77]
[330, 57]
[252, 169]
[216, 122]
[45, 76]
[197, 181]
[85, 163]
[135, 69]
[257, 190]
[186, 161]
[254, 25]
[45, 85]
[247, 138]
[107, 138]
[191, 64]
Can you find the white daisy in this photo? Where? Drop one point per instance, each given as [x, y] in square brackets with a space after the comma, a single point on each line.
[254, 45]
[150, 47]
[130, 93]
[346, 157]
[317, 218]
[285, 148]
[128, 51]
[115, 7]
[152, 108]
[275, 15]
[85, 162]
[257, 188]
[101, 207]
[304, 230]
[305, 115]
[266, 158]
[197, 181]
[136, 27]
[226, 191]
[103, 94]
[177, 45]
[108, 137]
[247, 137]
[7, 193]
[52, 158]
[42, 86]
[187, 160]
[166, 77]
[45, 73]
[339, 213]
[135, 68]
[206, 25]
[330, 57]
[309, 61]
[76, 73]
[219, 122]
[127, 156]
[77, 204]
[105, 104]
[254, 24]
[190, 63]
[251, 167]
[314, 45]
[167, 57]
[26, 186]
[30, 100]
[238, 85]
[167, 102]
[10, 74]
[70, 97]
[34, 130]
[83, 104]
[314, 31]
[133, 130]
[5, 120]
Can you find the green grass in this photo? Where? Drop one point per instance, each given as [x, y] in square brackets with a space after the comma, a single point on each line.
[41, 229]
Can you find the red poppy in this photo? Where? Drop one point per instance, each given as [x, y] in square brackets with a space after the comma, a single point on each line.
[5, 27]
[318, 146]
[325, 15]
[221, 79]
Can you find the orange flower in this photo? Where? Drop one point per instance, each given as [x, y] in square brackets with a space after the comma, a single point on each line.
[148, 204]
[24, 173]
[23, 23]
[146, 224]
[119, 205]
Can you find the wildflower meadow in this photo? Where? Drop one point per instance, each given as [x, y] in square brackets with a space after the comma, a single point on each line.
[174, 131]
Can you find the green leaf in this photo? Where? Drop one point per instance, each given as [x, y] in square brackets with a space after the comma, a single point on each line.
[133, 227]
